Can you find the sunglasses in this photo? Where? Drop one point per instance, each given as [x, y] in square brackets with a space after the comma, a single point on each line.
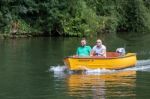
[98, 42]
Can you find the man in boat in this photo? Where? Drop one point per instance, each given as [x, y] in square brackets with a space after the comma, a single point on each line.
[99, 49]
[83, 50]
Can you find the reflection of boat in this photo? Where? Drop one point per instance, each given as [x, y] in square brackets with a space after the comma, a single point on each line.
[110, 84]
[112, 61]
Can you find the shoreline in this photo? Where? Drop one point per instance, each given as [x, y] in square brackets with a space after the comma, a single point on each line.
[23, 35]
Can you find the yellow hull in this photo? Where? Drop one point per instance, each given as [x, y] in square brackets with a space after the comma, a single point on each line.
[117, 62]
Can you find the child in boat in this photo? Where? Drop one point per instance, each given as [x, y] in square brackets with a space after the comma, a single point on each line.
[99, 49]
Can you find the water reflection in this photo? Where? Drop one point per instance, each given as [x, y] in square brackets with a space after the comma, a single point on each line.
[103, 86]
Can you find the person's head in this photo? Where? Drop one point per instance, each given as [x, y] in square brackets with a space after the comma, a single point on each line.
[83, 42]
[99, 42]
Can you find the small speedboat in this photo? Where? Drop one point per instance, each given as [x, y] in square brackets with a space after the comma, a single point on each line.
[113, 60]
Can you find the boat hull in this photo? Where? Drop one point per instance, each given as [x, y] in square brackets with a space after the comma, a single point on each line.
[84, 63]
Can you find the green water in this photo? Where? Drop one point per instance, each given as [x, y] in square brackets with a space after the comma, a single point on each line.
[25, 66]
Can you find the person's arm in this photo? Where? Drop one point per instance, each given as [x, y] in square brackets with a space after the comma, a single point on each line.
[103, 52]
[77, 52]
[92, 52]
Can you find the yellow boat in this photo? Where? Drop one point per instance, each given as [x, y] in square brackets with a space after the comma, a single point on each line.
[112, 61]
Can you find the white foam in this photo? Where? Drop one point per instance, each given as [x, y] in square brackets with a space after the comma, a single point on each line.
[143, 62]
[98, 71]
[57, 68]
[59, 71]
[140, 68]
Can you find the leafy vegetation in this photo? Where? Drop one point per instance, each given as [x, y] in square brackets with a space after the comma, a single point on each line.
[73, 17]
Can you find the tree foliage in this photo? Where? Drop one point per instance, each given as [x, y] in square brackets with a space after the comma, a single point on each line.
[74, 17]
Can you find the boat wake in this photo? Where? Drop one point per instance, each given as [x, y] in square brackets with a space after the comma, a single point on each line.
[142, 65]
[58, 68]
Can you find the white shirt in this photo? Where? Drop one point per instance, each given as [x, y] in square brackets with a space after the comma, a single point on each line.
[99, 50]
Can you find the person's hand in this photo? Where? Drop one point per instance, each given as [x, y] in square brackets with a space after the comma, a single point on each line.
[74, 55]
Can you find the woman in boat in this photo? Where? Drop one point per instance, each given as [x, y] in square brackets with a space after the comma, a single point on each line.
[83, 50]
[99, 49]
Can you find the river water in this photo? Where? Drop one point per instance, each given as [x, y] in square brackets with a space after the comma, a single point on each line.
[33, 68]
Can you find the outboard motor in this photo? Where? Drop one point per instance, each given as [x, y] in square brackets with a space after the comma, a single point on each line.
[121, 51]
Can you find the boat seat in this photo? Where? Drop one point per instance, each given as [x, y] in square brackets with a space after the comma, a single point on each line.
[112, 54]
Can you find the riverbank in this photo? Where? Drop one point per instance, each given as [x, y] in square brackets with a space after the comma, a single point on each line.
[23, 35]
